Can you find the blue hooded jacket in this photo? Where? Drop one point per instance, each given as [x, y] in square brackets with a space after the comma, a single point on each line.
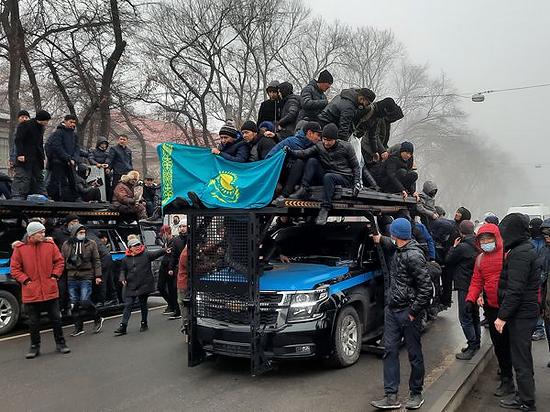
[297, 142]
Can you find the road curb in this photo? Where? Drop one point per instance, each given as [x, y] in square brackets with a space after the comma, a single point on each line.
[448, 392]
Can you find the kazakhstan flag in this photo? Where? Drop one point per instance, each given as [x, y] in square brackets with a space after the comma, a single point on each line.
[217, 182]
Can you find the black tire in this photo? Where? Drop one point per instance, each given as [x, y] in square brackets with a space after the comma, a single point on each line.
[346, 339]
[10, 311]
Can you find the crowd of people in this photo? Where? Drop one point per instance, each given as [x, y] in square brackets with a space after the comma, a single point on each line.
[68, 167]
[344, 142]
[501, 267]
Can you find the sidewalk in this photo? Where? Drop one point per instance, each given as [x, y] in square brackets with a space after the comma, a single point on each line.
[481, 397]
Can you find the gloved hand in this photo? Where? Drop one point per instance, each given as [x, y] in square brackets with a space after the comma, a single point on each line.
[469, 308]
[356, 189]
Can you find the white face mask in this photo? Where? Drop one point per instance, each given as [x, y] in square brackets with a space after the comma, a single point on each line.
[394, 241]
[488, 247]
[81, 236]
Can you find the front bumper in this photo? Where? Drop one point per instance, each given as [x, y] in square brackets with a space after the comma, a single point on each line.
[290, 341]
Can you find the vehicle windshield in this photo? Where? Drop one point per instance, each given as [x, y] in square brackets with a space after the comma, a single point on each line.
[331, 244]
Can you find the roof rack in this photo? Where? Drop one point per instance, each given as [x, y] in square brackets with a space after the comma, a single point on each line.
[17, 208]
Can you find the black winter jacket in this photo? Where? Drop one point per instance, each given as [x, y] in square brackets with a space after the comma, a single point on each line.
[341, 111]
[518, 288]
[313, 100]
[178, 245]
[289, 114]
[119, 160]
[99, 156]
[260, 147]
[236, 152]
[340, 158]
[391, 166]
[270, 111]
[62, 146]
[29, 142]
[410, 284]
[461, 260]
[136, 270]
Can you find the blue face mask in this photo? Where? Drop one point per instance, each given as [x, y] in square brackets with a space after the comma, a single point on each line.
[488, 247]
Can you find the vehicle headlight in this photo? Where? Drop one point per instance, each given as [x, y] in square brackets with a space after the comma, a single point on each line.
[305, 305]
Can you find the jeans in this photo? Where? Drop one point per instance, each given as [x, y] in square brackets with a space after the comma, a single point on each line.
[34, 310]
[521, 331]
[28, 180]
[129, 302]
[396, 326]
[469, 321]
[501, 342]
[316, 174]
[80, 292]
[291, 176]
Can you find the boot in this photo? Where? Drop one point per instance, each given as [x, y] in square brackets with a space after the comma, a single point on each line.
[121, 330]
[302, 193]
[144, 327]
[61, 347]
[467, 354]
[33, 352]
[387, 402]
[98, 324]
[506, 387]
[322, 217]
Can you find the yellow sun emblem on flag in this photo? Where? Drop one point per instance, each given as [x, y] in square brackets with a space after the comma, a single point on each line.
[224, 188]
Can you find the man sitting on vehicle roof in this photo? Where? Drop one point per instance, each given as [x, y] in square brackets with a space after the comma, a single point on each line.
[232, 146]
[260, 145]
[330, 162]
[293, 168]
[398, 174]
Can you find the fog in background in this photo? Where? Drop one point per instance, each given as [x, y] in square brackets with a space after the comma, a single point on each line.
[479, 46]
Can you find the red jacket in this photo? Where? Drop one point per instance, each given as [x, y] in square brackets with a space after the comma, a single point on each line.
[182, 270]
[487, 269]
[37, 262]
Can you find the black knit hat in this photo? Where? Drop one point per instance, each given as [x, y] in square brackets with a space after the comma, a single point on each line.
[325, 77]
[465, 213]
[330, 131]
[249, 125]
[42, 115]
[23, 113]
[71, 217]
[368, 93]
[286, 89]
[407, 147]
[229, 131]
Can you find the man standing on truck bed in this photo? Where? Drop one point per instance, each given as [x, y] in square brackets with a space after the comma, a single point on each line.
[407, 294]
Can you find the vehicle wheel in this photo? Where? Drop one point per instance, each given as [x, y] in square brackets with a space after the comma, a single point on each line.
[9, 312]
[346, 339]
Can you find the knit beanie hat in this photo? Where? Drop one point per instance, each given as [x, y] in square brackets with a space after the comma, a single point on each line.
[273, 85]
[286, 89]
[133, 240]
[492, 219]
[34, 227]
[401, 229]
[43, 115]
[330, 131]
[368, 93]
[466, 215]
[229, 131]
[407, 147]
[466, 227]
[325, 77]
[23, 113]
[267, 125]
[249, 125]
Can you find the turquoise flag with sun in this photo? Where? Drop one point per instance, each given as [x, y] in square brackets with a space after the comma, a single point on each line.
[218, 183]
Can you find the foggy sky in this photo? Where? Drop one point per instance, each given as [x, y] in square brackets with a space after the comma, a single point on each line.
[479, 45]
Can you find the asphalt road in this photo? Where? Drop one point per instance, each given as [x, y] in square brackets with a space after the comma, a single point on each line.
[148, 371]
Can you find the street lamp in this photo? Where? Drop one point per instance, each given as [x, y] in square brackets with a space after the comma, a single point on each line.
[478, 97]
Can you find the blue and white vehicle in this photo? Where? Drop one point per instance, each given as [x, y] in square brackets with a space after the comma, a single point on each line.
[320, 295]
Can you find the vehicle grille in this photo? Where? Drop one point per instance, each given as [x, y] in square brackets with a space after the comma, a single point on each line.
[226, 307]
